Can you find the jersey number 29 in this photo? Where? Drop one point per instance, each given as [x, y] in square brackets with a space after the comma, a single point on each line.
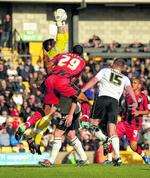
[73, 63]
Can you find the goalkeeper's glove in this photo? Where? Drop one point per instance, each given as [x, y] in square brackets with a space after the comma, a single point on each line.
[60, 17]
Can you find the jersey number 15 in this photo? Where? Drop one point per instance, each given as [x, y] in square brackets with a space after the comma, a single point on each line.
[115, 79]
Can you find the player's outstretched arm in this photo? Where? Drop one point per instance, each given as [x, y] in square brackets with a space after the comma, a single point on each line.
[62, 34]
[61, 41]
[90, 84]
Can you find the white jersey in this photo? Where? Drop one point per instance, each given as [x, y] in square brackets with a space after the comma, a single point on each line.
[112, 83]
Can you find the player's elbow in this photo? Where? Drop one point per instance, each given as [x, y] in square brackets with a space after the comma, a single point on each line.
[94, 81]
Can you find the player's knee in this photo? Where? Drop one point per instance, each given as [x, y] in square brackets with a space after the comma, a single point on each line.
[133, 146]
[58, 133]
[71, 135]
[112, 130]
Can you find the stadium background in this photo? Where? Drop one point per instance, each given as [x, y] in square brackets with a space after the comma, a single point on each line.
[124, 22]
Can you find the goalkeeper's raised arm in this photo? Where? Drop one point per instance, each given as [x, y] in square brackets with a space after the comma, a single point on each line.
[57, 43]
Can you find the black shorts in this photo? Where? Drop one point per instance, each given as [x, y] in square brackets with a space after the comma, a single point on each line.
[75, 123]
[105, 108]
[60, 123]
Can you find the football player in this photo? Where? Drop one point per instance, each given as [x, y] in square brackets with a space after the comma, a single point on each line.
[112, 83]
[131, 123]
[62, 126]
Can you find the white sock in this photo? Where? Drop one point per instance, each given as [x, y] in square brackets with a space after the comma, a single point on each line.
[55, 149]
[99, 134]
[109, 156]
[115, 145]
[142, 154]
[76, 143]
[77, 156]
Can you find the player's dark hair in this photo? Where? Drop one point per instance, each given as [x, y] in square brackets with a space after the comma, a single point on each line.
[78, 49]
[47, 43]
[119, 62]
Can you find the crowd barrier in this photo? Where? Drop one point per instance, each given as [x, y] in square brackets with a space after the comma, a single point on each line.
[21, 158]
[128, 157]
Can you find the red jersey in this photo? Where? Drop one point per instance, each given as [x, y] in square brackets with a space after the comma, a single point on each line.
[142, 106]
[68, 64]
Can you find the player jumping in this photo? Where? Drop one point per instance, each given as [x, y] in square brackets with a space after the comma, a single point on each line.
[64, 67]
[112, 83]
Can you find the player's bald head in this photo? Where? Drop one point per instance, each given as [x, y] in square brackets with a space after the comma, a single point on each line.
[119, 62]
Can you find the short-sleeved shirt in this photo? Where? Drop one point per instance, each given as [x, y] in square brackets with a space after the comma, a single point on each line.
[112, 83]
[68, 64]
[142, 106]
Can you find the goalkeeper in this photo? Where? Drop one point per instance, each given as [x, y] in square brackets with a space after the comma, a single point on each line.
[50, 49]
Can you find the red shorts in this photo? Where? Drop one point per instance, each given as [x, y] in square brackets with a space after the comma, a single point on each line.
[124, 128]
[57, 85]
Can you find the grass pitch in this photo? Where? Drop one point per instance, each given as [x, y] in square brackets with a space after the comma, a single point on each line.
[71, 171]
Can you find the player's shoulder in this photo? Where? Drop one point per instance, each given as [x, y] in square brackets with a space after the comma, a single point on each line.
[117, 72]
[126, 78]
[76, 56]
[73, 55]
[105, 70]
[67, 54]
[61, 54]
[143, 94]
